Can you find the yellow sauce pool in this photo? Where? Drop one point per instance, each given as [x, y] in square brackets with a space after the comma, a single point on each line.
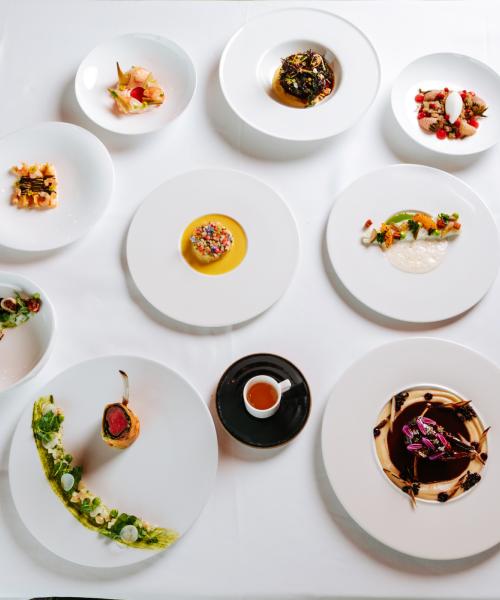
[229, 261]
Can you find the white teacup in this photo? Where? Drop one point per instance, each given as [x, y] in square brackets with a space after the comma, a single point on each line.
[279, 387]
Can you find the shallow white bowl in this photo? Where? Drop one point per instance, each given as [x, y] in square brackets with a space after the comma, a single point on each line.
[86, 181]
[460, 281]
[164, 477]
[171, 67]
[253, 54]
[457, 72]
[24, 350]
[462, 527]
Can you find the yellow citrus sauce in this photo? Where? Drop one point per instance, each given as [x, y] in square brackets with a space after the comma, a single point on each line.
[230, 260]
[285, 98]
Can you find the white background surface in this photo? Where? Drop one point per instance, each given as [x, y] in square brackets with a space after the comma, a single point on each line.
[272, 528]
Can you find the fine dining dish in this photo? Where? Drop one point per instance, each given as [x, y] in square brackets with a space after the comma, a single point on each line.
[27, 328]
[73, 171]
[120, 425]
[157, 90]
[267, 69]
[448, 103]
[177, 445]
[426, 275]
[271, 425]
[160, 240]
[465, 518]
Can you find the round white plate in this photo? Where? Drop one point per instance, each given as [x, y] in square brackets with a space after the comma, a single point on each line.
[24, 350]
[456, 72]
[176, 289]
[85, 176]
[460, 281]
[171, 67]
[254, 52]
[463, 527]
[165, 477]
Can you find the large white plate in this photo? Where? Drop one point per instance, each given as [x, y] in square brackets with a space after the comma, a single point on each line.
[178, 291]
[460, 528]
[165, 477]
[253, 54]
[457, 72]
[460, 281]
[171, 67]
[24, 350]
[86, 180]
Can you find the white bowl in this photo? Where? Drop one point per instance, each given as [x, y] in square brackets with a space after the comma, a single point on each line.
[86, 182]
[253, 54]
[169, 63]
[24, 350]
[457, 72]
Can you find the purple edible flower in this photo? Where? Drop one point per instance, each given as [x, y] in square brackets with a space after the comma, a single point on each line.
[414, 447]
[421, 426]
[407, 431]
[428, 443]
[443, 440]
[427, 421]
[436, 456]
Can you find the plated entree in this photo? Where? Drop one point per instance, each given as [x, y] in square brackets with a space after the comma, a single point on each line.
[211, 241]
[35, 186]
[431, 443]
[136, 90]
[65, 479]
[120, 425]
[18, 309]
[413, 241]
[449, 114]
[303, 79]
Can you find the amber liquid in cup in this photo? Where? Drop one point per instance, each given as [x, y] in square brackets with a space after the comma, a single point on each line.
[262, 395]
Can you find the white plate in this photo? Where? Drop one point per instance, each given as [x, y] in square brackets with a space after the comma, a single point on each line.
[176, 289]
[86, 181]
[253, 54]
[165, 477]
[457, 72]
[24, 350]
[171, 67]
[466, 526]
[460, 281]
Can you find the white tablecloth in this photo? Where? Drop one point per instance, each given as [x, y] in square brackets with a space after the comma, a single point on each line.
[272, 528]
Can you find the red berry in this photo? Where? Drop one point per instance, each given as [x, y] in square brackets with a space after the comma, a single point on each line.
[421, 115]
[463, 95]
[419, 98]
[439, 96]
[447, 117]
[457, 123]
[137, 93]
[446, 90]
[474, 123]
[441, 134]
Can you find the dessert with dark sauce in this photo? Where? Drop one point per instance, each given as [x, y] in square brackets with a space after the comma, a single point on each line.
[431, 444]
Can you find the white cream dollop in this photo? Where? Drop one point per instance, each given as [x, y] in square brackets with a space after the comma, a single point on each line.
[453, 106]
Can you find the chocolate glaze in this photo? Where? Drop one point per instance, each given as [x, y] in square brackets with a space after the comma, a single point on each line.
[426, 471]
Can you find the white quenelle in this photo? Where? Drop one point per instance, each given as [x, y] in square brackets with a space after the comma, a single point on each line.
[279, 387]
[453, 106]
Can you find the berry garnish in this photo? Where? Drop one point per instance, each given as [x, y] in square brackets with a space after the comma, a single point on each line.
[474, 123]
[421, 115]
[137, 93]
[441, 134]
[419, 98]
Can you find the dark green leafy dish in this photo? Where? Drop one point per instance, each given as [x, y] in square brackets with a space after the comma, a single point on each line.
[306, 76]
[66, 481]
[18, 309]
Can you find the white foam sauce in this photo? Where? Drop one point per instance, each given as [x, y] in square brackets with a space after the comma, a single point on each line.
[417, 256]
[20, 350]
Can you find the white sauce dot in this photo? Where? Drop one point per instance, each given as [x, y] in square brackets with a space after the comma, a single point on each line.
[417, 256]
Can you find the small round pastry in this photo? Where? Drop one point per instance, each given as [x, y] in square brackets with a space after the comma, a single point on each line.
[211, 241]
[120, 425]
[303, 79]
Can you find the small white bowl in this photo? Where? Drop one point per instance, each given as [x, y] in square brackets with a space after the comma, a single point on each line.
[169, 63]
[457, 72]
[279, 387]
[24, 350]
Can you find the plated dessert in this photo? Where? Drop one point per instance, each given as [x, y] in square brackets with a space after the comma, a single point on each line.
[35, 186]
[303, 79]
[449, 114]
[414, 241]
[431, 444]
[17, 309]
[136, 91]
[66, 481]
